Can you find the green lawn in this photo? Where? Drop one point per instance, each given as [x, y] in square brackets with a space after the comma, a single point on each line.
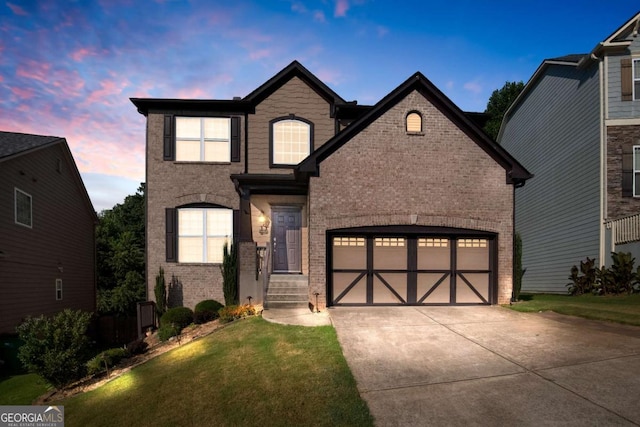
[251, 372]
[21, 389]
[620, 309]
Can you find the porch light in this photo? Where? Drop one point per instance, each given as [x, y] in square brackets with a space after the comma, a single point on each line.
[264, 223]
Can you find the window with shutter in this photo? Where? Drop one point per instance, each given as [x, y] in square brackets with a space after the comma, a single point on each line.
[636, 171]
[202, 232]
[636, 79]
[203, 139]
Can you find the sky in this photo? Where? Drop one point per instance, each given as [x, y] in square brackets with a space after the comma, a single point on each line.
[68, 68]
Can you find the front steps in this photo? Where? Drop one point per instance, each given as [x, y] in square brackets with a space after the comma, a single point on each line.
[287, 291]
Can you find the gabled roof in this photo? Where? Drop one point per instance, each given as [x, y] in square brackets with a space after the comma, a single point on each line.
[516, 173]
[621, 36]
[13, 145]
[249, 102]
[295, 69]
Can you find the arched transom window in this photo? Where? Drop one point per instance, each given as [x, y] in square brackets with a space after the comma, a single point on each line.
[414, 122]
[291, 141]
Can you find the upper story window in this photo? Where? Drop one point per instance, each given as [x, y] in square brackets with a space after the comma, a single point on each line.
[23, 208]
[203, 139]
[202, 233]
[291, 140]
[414, 122]
[636, 79]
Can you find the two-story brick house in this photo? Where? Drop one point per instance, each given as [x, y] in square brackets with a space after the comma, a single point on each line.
[576, 126]
[403, 202]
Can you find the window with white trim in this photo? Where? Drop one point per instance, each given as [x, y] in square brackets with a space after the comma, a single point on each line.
[636, 171]
[636, 79]
[23, 208]
[202, 233]
[58, 289]
[291, 141]
[203, 139]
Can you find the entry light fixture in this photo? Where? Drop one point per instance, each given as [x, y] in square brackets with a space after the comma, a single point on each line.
[264, 223]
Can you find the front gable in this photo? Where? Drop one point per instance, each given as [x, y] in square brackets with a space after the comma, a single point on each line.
[418, 84]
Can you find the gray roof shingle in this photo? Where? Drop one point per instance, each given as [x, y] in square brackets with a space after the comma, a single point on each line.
[12, 143]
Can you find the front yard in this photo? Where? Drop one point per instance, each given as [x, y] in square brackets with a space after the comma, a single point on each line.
[619, 308]
[251, 372]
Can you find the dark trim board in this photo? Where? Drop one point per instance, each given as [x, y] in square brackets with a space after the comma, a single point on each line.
[453, 277]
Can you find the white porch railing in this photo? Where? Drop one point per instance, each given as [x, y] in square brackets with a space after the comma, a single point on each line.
[625, 230]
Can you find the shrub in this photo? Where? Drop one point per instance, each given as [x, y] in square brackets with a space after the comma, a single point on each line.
[179, 316]
[229, 270]
[160, 291]
[622, 272]
[583, 280]
[105, 360]
[138, 346]
[56, 348]
[167, 331]
[206, 311]
[230, 313]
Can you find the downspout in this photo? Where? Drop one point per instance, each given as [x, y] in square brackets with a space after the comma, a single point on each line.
[513, 245]
[603, 159]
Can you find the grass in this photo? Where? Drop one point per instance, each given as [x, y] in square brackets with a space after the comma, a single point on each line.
[22, 389]
[251, 372]
[620, 308]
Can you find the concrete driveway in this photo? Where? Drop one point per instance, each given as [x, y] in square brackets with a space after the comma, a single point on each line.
[490, 366]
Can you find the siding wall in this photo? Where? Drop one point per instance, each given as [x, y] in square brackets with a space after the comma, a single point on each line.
[62, 236]
[442, 176]
[617, 108]
[294, 97]
[554, 133]
[171, 184]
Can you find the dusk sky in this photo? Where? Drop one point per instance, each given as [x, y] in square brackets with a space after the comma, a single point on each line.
[68, 68]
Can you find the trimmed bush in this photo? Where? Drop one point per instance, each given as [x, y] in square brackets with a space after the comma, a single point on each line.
[56, 348]
[230, 313]
[179, 316]
[105, 360]
[167, 331]
[206, 311]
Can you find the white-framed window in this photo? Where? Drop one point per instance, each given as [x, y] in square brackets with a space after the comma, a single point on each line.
[23, 208]
[291, 141]
[636, 171]
[202, 233]
[636, 79]
[203, 139]
[414, 122]
[58, 289]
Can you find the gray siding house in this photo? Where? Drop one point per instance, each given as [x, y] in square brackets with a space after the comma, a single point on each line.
[47, 224]
[329, 202]
[576, 126]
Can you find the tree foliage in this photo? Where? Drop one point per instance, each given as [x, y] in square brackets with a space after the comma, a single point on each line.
[56, 348]
[120, 255]
[229, 269]
[499, 102]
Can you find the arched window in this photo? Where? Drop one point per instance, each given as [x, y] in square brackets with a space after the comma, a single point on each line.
[291, 140]
[414, 122]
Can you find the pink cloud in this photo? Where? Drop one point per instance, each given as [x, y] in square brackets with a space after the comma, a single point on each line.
[318, 16]
[107, 89]
[17, 9]
[259, 54]
[34, 70]
[329, 76]
[22, 93]
[341, 8]
[79, 54]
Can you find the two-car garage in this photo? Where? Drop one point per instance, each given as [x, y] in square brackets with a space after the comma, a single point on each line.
[411, 266]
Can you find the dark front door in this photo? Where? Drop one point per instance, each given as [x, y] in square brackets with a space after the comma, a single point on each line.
[286, 239]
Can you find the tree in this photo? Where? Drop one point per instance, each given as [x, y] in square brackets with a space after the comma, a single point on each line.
[499, 102]
[120, 255]
[229, 270]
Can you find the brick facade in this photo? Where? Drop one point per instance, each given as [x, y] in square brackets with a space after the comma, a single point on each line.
[441, 175]
[618, 137]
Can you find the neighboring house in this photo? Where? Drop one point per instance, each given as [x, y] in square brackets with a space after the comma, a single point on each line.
[404, 202]
[47, 223]
[576, 126]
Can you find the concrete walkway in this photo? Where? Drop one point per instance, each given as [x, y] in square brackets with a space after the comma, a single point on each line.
[296, 316]
[461, 366]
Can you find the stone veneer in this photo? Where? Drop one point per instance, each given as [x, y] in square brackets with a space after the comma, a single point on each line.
[617, 137]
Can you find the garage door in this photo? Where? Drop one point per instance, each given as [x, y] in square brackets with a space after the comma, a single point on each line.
[415, 270]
